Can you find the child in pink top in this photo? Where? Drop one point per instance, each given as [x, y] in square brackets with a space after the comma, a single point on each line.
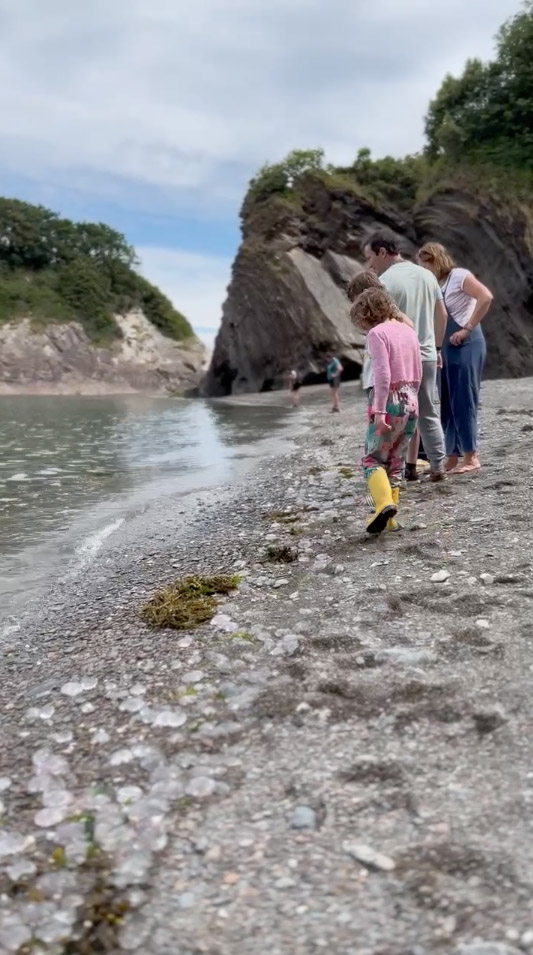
[393, 402]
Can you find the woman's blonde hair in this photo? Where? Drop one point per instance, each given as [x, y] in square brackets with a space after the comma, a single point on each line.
[439, 257]
[372, 308]
[361, 282]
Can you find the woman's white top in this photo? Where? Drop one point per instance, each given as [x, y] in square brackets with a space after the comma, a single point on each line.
[459, 304]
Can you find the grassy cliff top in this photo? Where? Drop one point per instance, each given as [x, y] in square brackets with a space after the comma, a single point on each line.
[478, 137]
[55, 270]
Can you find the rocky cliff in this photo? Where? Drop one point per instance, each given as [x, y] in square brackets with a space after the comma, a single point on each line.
[61, 359]
[286, 302]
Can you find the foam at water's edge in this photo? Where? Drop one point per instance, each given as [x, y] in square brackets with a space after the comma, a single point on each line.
[89, 547]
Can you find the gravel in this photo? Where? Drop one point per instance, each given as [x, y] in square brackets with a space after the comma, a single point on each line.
[343, 763]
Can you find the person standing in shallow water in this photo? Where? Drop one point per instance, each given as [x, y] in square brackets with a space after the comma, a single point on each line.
[464, 350]
[392, 401]
[294, 387]
[334, 371]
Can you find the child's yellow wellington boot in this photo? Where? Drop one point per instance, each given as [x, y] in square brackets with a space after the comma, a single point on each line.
[392, 524]
[380, 489]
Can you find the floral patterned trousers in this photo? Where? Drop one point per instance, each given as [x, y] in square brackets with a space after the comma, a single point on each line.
[389, 450]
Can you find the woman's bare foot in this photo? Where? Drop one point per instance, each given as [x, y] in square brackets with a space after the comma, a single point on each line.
[469, 463]
[452, 461]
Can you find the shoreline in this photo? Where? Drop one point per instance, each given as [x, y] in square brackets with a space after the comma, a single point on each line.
[339, 759]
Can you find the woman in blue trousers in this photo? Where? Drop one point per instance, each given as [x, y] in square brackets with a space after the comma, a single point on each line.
[464, 350]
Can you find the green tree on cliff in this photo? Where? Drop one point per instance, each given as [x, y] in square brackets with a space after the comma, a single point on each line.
[487, 112]
[53, 269]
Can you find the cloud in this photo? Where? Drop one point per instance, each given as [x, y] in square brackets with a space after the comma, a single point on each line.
[154, 114]
[191, 98]
[196, 284]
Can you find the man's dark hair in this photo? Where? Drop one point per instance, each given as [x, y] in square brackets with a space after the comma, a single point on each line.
[383, 240]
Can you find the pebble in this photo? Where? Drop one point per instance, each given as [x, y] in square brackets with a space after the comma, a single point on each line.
[221, 621]
[303, 817]
[405, 656]
[440, 577]
[487, 579]
[193, 676]
[72, 689]
[169, 718]
[369, 857]
[490, 719]
[200, 787]
[483, 624]
[488, 948]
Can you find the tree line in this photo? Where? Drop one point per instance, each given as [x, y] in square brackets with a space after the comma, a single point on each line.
[484, 115]
[53, 269]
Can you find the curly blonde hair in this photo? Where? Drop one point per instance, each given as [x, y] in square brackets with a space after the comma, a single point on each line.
[436, 255]
[361, 282]
[371, 308]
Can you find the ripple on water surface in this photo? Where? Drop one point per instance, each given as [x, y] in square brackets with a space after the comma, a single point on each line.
[73, 469]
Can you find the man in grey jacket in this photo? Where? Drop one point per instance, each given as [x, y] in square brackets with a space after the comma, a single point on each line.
[417, 293]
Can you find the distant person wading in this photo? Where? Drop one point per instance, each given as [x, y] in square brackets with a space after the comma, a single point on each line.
[295, 385]
[334, 371]
[417, 294]
[464, 350]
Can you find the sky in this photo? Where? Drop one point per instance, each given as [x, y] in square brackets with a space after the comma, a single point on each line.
[153, 115]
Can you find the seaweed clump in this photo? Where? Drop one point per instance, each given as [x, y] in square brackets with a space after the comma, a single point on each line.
[187, 603]
[281, 554]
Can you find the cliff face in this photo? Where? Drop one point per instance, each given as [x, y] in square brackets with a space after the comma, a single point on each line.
[287, 304]
[60, 359]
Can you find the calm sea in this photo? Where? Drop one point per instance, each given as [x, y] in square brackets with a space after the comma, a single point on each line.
[73, 470]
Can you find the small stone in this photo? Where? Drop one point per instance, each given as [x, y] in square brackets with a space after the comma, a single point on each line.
[487, 948]
[490, 719]
[89, 682]
[121, 757]
[487, 579]
[222, 621]
[304, 817]
[369, 857]
[440, 577]
[46, 818]
[186, 900]
[129, 794]
[20, 869]
[213, 854]
[284, 883]
[231, 878]
[290, 644]
[63, 736]
[282, 582]
[72, 689]
[12, 843]
[5, 783]
[483, 624]
[527, 938]
[101, 736]
[200, 787]
[132, 705]
[193, 676]
[405, 656]
[170, 718]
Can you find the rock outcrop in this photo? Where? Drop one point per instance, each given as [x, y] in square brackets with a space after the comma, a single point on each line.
[287, 304]
[61, 359]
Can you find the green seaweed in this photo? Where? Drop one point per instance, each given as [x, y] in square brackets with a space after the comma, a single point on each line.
[188, 602]
[281, 554]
